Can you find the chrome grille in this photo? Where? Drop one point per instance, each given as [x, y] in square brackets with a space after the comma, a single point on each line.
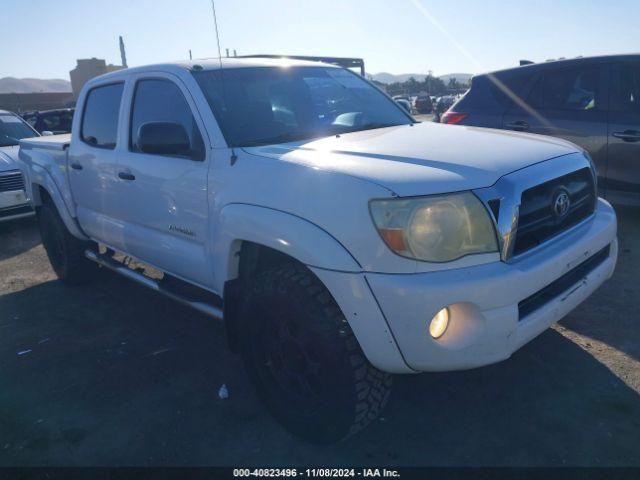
[553, 207]
[11, 181]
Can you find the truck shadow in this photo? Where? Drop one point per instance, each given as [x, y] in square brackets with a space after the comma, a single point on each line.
[112, 374]
[18, 236]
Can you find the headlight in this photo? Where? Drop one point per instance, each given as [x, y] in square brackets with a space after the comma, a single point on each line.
[439, 228]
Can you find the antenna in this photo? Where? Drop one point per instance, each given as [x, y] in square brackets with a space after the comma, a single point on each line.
[215, 24]
[234, 157]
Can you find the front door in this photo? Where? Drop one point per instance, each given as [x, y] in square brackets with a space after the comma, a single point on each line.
[570, 103]
[623, 172]
[163, 191]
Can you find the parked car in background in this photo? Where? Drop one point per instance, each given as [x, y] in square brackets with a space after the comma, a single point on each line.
[14, 201]
[338, 240]
[442, 105]
[593, 102]
[422, 104]
[54, 121]
[404, 103]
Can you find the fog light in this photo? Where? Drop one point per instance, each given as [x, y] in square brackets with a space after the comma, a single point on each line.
[439, 323]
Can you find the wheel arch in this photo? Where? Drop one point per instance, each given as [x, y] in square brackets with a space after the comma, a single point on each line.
[254, 238]
[44, 189]
[241, 224]
[265, 238]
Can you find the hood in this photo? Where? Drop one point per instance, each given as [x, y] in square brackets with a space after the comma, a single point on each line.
[9, 158]
[425, 158]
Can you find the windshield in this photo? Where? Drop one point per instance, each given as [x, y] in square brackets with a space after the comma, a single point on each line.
[12, 129]
[267, 105]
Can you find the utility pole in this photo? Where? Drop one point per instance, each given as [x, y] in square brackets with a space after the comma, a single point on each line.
[190, 56]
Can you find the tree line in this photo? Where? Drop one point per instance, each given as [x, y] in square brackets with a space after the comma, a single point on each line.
[430, 85]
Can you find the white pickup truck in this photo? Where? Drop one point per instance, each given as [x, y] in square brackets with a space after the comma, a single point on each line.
[339, 240]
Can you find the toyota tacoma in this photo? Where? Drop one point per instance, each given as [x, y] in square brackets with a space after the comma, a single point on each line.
[337, 239]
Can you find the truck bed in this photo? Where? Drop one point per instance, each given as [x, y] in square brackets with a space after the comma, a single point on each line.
[51, 142]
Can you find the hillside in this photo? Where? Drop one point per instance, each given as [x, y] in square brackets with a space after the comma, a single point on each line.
[32, 85]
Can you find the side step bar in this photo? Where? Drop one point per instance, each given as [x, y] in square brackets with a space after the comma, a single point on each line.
[117, 267]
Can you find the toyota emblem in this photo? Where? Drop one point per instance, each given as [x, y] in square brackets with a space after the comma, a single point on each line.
[561, 203]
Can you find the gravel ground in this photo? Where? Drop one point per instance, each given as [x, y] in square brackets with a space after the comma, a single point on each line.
[111, 374]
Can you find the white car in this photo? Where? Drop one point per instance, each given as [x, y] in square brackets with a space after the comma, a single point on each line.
[339, 241]
[14, 202]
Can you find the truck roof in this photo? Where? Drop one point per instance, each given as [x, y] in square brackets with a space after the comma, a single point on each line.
[217, 64]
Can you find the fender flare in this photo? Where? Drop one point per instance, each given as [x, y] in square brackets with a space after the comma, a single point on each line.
[326, 258]
[281, 231]
[41, 178]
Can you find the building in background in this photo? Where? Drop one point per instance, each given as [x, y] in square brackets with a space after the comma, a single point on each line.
[86, 69]
[19, 99]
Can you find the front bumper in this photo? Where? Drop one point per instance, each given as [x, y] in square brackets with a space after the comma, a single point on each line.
[485, 325]
[14, 204]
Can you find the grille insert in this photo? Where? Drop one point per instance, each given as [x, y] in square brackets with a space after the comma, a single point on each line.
[538, 221]
[11, 181]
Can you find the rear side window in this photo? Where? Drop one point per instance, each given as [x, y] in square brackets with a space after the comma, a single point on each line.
[100, 119]
[625, 88]
[158, 100]
[573, 88]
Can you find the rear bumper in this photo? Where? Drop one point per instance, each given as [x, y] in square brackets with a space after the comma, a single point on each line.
[486, 325]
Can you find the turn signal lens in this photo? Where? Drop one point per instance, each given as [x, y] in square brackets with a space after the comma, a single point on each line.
[394, 237]
[439, 323]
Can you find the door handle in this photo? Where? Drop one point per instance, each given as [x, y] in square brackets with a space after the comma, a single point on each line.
[76, 166]
[628, 135]
[519, 126]
[126, 176]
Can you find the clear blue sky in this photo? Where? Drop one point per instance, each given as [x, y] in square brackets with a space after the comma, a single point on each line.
[42, 38]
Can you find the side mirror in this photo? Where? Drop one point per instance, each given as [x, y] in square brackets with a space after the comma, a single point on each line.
[46, 133]
[164, 138]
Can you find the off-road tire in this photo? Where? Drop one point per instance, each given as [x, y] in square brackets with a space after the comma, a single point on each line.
[65, 252]
[304, 359]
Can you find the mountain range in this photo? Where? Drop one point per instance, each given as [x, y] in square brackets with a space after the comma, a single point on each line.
[32, 85]
[384, 77]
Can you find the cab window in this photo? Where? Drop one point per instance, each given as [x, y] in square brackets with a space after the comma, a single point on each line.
[160, 102]
[100, 119]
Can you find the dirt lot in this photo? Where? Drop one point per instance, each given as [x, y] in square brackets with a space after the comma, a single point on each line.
[112, 374]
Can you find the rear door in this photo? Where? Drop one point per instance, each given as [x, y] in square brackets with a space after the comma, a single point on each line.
[623, 172]
[92, 163]
[569, 102]
[163, 196]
